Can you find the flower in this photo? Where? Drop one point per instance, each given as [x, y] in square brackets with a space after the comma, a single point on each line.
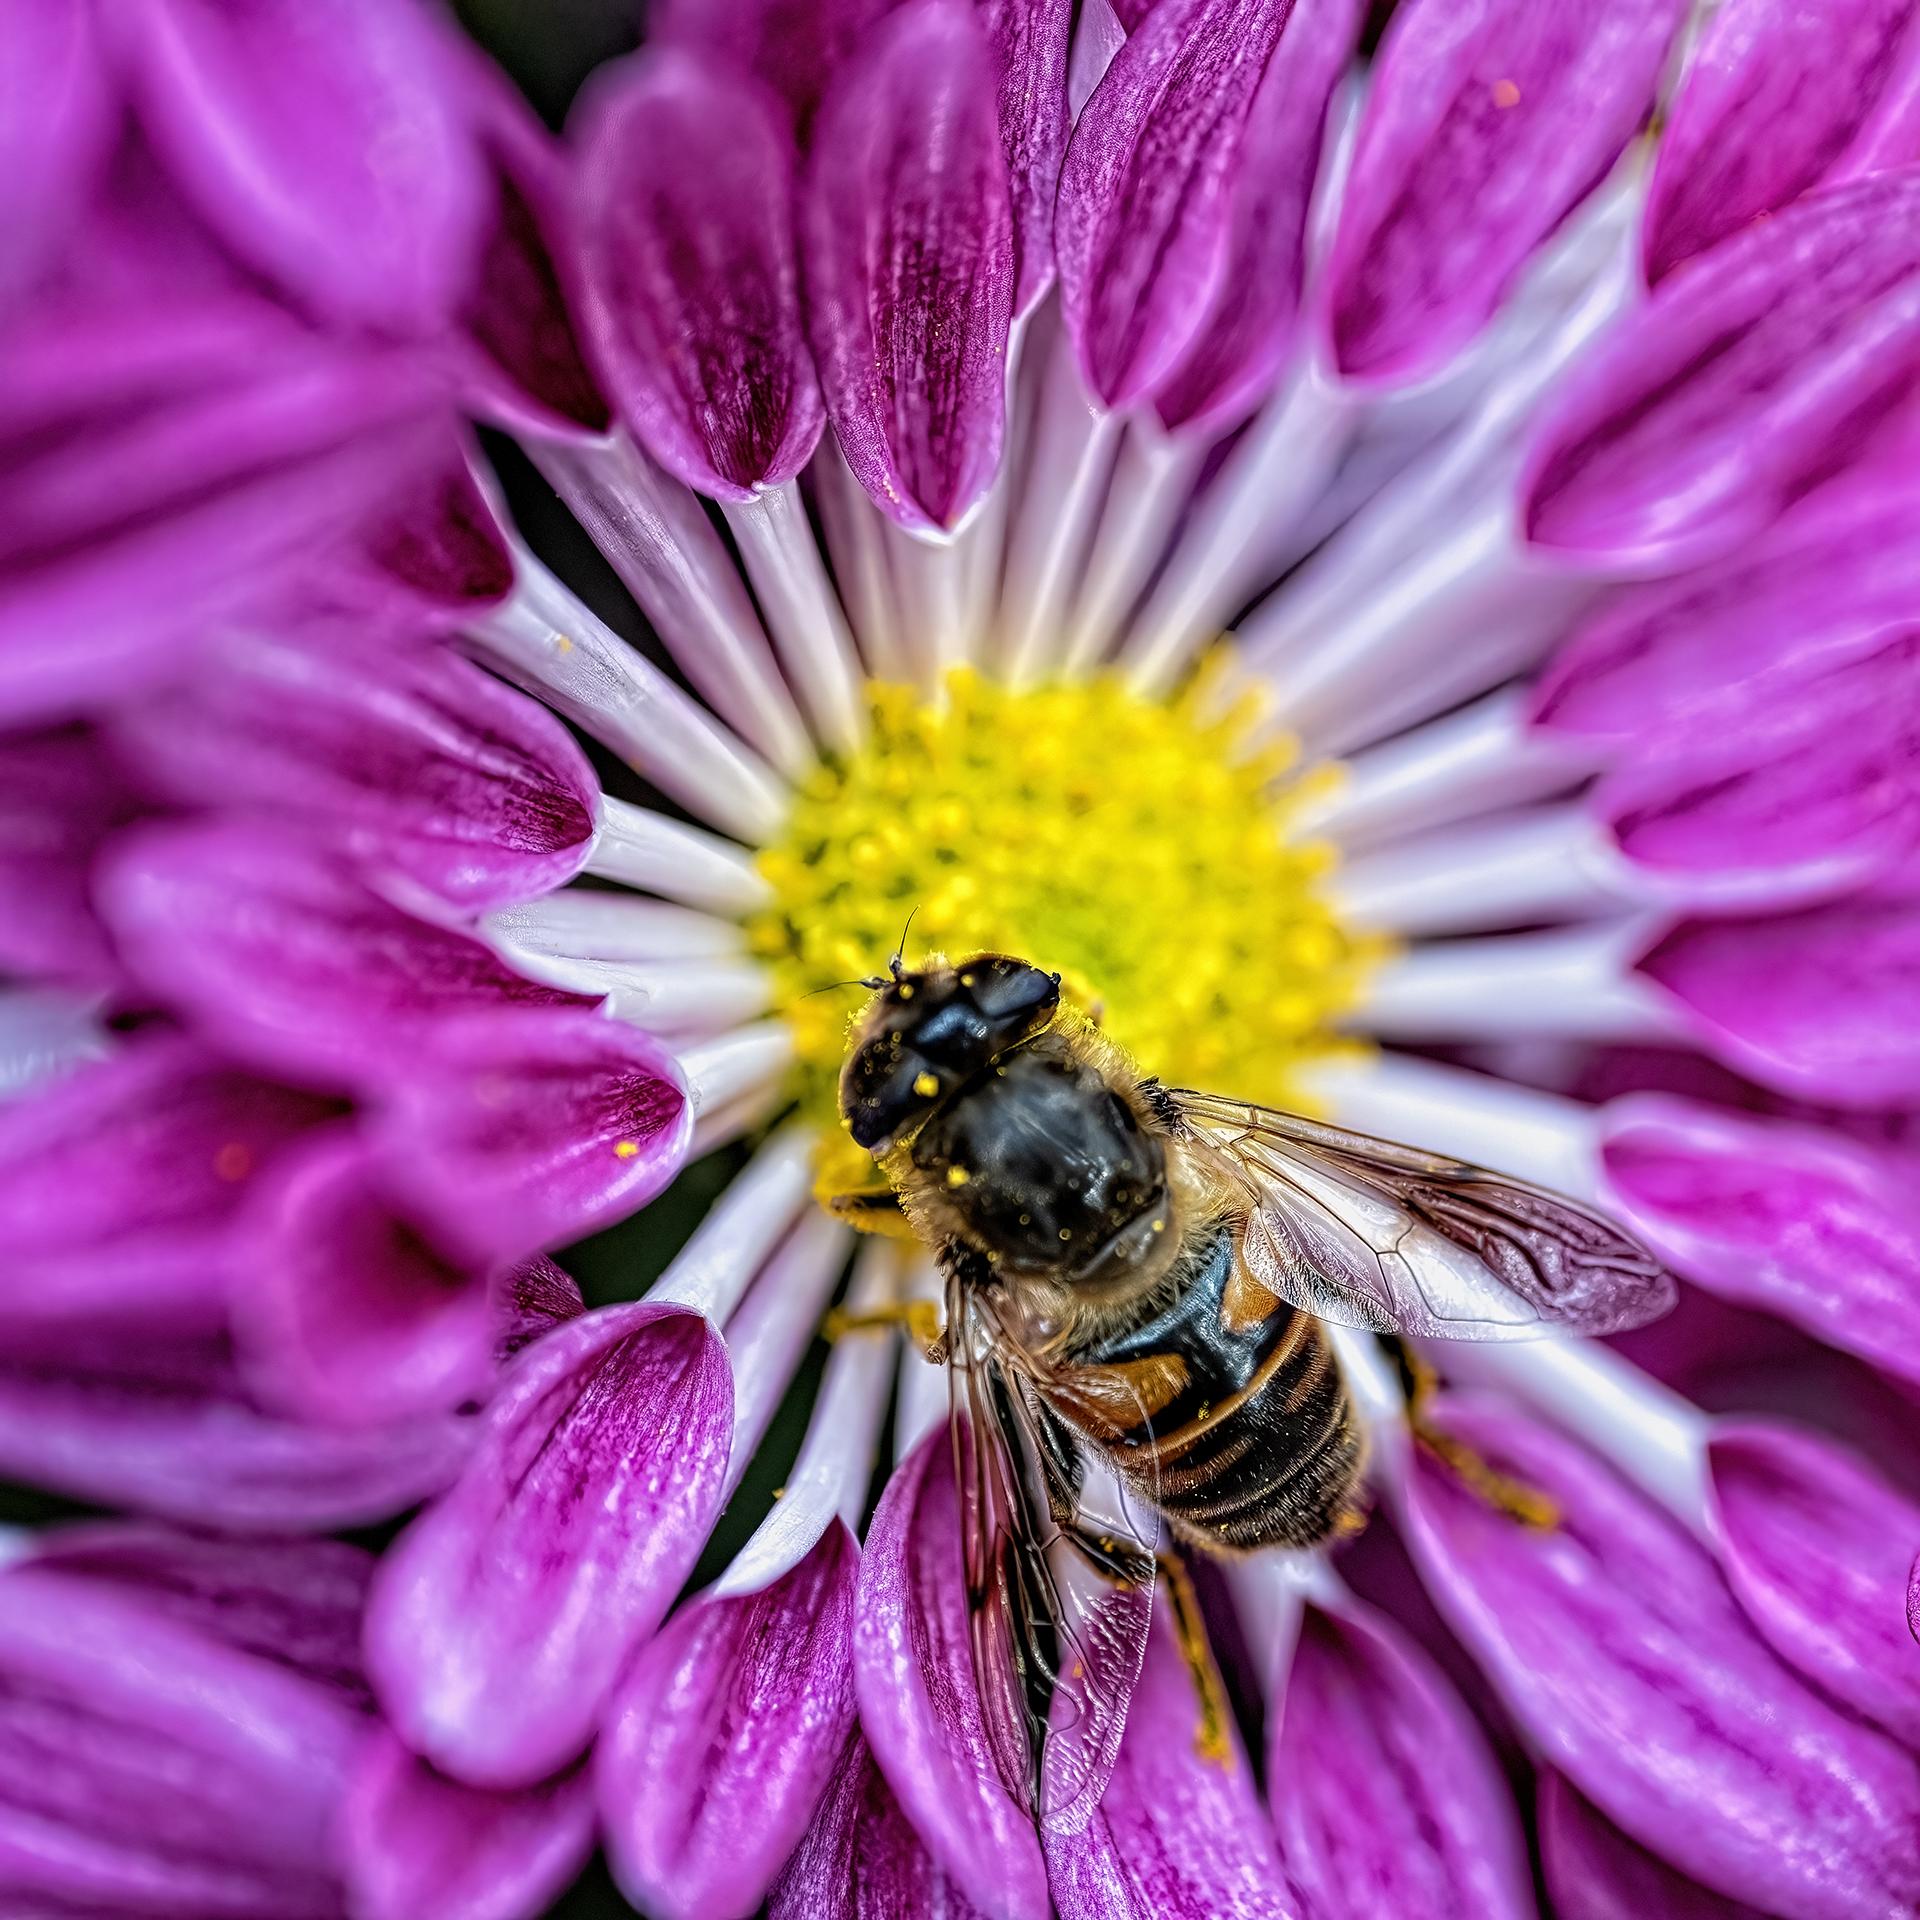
[1530, 398]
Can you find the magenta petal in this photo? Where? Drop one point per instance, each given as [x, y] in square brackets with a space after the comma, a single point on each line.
[528, 1129]
[1180, 1834]
[1817, 1549]
[1742, 385]
[159, 1423]
[288, 957]
[794, 46]
[691, 286]
[919, 1703]
[418, 1843]
[1823, 1004]
[502, 1618]
[294, 1602]
[1615, 1645]
[324, 144]
[909, 263]
[1385, 1796]
[862, 1860]
[1234, 359]
[1797, 1221]
[145, 1768]
[413, 760]
[1149, 195]
[343, 1311]
[1774, 96]
[723, 1736]
[1483, 130]
[1029, 40]
[1594, 1872]
[531, 1300]
[119, 1183]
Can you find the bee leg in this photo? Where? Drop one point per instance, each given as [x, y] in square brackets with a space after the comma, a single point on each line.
[921, 1318]
[1515, 1498]
[1213, 1738]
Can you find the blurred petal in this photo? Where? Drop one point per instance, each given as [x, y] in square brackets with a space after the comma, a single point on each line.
[909, 263]
[343, 1311]
[1740, 387]
[120, 1182]
[1594, 1872]
[1238, 353]
[1774, 96]
[724, 1735]
[1796, 1220]
[286, 956]
[1179, 1833]
[324, 143]
[294, 1602]
[1148, 195]
[1486, 125]
[160, 1424]
[794, 46]
[1029, 39]
[531, 1300]
[1384, 1794]
[1816, 1548]
[862, 1860]
[503, 1616]
[919, 1702]
[418, 1843]
[692, 289]
[529, 1129]
[1615, 1645]
[129, 1744]
[411, 760]
[1823, 1004]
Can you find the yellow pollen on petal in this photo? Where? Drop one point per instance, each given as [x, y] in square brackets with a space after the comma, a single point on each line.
[626, 1149]
[1506, 93]
[1143, 849]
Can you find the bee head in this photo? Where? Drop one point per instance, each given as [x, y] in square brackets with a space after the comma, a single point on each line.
[925, 1033]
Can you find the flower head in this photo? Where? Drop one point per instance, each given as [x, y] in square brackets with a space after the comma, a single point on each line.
[1389, 570]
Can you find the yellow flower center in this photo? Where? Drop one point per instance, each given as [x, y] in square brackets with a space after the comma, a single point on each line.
[1138, 847]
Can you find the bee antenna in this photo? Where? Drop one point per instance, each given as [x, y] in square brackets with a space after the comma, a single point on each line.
[897, 965]
[872, 983]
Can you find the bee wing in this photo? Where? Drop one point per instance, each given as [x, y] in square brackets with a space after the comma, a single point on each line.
[1370, 1234]
[1060, 1574]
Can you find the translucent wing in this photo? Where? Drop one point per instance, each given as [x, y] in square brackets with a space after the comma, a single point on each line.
[1369, 1234]
[1060, 1563]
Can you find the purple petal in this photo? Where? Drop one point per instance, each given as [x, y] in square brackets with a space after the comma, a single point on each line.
[919, 1702]
[502, 1618]
[528, 1129]
[119, 1184]
[294, 1602]
[724, 1735]
[1150, 193]
[1240, 348]
[1180, 1832]
[1824, 1004]
[1029, 39]
[793, 46]
[1660, 667]
[1384, 1794]
[159, 1423]
[324, 144]
[529, 1301]
[1594, 1872]
[1797, 1221]
[862, 1860]
[691, 286]
[146, 1768]
[1740, 387]
[424, 768]
[1774, 96]
[288, 957]
[1483, 130]
[343, 1311]
[1616, 1647]
[418, 1843]
[909, 263]
[1817, 1550]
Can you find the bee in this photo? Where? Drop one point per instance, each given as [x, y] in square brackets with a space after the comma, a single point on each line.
[1138, 1280]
